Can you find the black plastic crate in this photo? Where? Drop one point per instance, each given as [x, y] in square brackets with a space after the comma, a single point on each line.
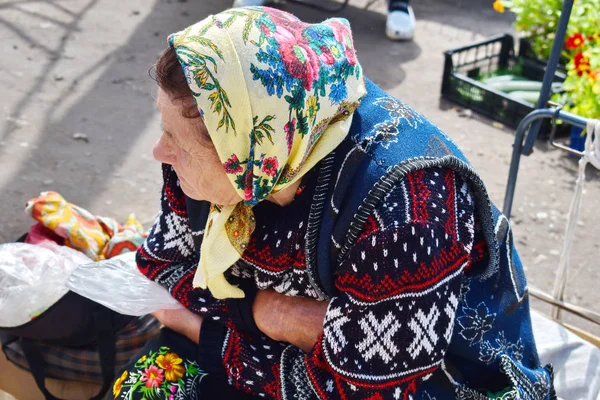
[463, 65]
[526, 52]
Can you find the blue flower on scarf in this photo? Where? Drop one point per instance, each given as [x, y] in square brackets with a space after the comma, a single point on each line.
[275, 79]
[271, 56]
[475, 322]
[338, 92]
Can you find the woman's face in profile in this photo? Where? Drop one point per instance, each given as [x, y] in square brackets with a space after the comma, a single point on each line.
[195, 160]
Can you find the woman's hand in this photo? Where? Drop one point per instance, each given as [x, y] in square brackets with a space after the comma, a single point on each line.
[182, 321]
[295, 320]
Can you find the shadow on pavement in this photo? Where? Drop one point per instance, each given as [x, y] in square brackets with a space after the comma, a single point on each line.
[112, 113]
[119, 105]
[475, 16]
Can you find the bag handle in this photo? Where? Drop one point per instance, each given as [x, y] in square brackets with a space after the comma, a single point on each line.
[105, 339]
[36, 365]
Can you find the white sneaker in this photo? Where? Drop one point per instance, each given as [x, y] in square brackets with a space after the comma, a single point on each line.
[400, 24]
[247, 3]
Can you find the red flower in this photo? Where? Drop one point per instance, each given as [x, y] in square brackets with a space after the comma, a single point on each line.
[248, 186]
[153, 376]
[343, 34]
[300, 60]
[265, 30]
[270, 165]
[326, 55]
[284, 18]
[290, 129]
[575, 41]
[582, 63]
[232, 166]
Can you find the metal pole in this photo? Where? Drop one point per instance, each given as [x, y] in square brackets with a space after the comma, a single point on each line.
[516, 159]
[531, 118]
[557, 47]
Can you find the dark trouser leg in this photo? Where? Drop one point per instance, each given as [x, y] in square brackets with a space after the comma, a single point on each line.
[394, 5]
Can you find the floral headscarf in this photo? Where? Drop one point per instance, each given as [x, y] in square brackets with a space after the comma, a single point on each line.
[276, 95]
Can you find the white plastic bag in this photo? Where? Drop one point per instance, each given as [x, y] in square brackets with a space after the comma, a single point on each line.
[119, 285]
[33, 278]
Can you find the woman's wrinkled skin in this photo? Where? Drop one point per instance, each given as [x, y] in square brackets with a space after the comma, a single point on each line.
[185, 145]
[182, 145]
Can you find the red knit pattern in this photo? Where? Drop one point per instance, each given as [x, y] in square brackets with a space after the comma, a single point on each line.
[419, 193]
[365, 289]
[451, 204]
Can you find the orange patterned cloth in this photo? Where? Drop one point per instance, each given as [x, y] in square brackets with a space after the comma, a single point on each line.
[97, 237]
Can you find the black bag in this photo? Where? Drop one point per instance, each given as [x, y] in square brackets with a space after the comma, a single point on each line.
[73, 321]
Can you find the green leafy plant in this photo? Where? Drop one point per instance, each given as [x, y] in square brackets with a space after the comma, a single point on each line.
[582, 86]
[537, 21]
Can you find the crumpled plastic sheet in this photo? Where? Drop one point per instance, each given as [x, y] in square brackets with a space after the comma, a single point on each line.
[576, 362]
[33, 278]
[119, 285]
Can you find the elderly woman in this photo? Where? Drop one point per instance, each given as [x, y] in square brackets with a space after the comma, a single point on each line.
[326, 240]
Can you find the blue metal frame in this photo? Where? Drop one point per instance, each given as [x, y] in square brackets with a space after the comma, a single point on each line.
[534, 118]
[519, 149]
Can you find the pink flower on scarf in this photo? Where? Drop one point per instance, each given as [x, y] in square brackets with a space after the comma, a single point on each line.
[343, 34]
[232, 165]
[280, 17]
[300, 60]
[326, 55]
[153, 376]
[270, 165]
[248, 186]
[265, 30]
[290, 130]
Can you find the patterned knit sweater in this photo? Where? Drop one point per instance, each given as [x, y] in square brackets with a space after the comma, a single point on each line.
[387, 330]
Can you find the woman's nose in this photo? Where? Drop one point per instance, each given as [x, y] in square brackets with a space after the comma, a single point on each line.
[162, 152]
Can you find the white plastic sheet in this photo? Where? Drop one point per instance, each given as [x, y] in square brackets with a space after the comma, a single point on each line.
[576, 362]
[33, 278]
[119, 285]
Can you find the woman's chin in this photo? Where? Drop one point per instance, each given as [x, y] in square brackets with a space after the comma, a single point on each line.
[194, 194]
[189, 192]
